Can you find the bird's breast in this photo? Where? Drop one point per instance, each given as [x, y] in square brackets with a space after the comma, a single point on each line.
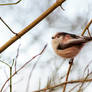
[68, 52]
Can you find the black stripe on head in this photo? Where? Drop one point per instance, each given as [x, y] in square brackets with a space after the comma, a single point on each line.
[60, 34]
[74, 36]
[63, 34]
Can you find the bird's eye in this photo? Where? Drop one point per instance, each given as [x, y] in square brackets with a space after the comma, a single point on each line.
[53, 37]
[57, 36]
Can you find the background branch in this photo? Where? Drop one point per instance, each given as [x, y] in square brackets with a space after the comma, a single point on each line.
[22, 67]
[68, 82]
[11, 3]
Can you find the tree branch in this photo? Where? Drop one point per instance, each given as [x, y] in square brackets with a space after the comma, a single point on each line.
[68, 72]
[86, 27]
[30, 26]
[68, 82]
[11, 3]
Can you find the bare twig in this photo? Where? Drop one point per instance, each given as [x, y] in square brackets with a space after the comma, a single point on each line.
[62, 8]
[83, 76]
[87, 67]
[17, 57]
[23, 67]
[27, 87]
[89, 32]
[71, 90]
[68, 82]
[5, 63]
[83, 83]
[7, 26]
[11, 79]
[11, 3]
[60, 5]
[68, 72]
[86, 27]
[30, 26]
[10, 67]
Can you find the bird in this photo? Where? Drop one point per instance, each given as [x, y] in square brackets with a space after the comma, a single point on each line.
[68, 45]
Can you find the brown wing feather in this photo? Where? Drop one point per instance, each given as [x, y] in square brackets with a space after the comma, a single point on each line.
[74, 42]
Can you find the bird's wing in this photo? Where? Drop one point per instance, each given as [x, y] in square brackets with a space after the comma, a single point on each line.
[73, 42]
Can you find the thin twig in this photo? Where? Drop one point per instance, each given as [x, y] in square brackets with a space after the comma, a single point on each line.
[7, 26]
[71, 90]
[11, 3]
[17, 57]
[89, 32]
[10, 67]
[83, 83]
[68, 72]
[5, 63]
[86, 27]
[11, 79]
[87, 85]
[23, 67]
[83, 76]
[68, 82]
[87, 67]
[27, 87]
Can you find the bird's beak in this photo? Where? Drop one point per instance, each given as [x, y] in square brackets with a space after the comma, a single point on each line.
[53, 37]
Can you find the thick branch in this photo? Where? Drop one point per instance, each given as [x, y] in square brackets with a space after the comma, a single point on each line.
[30, 26]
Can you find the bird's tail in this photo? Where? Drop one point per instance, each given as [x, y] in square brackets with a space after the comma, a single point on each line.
[87, 38]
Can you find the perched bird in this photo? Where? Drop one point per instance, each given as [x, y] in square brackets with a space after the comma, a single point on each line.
[68, 45]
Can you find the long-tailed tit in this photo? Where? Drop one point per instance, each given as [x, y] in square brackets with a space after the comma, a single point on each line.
[68, 45]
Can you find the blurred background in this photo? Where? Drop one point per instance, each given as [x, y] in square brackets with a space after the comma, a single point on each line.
[49, 68]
